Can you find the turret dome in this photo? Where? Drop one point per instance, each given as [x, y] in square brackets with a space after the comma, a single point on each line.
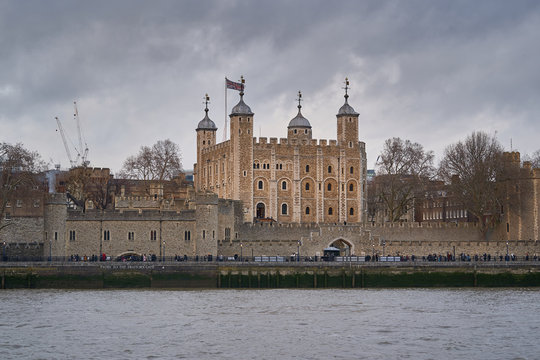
[206, 123]
[241, 108]
[299, 121]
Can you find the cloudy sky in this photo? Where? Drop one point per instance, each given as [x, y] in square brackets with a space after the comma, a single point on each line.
[429, 71]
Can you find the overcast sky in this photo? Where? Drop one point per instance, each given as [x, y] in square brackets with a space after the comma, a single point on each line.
[428, 71]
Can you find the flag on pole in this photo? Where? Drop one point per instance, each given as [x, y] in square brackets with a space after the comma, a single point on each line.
[234, 85]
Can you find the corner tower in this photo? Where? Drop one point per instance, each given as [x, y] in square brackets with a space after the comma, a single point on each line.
[241, 120]
[206, 137]
[347, 122]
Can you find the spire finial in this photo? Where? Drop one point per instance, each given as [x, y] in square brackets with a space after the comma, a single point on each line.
[206, 101]
[346, 88]
[242, 81]
[299, 100]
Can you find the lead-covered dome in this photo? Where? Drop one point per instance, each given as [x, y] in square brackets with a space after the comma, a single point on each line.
[299, 121]
[241, 108]
[347, 109]
[206, 124]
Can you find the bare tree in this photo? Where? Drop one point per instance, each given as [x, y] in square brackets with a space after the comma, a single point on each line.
[471, 169]
[160, 162]
[534, 159]
[18, 167]
[86, 183]
[402, 169]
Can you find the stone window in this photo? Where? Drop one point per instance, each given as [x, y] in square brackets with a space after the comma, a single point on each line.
[351, 187]
[305, 131]
[204, 234]
[307, 168]
[106, 235]
[153, 235]
[350, 144]
[283, 185]
[72, 235]
[330, 211]
[56, 235]
[307, 210]
[295, 131]
[284, 209]
[329, 169]
[307, 186]
[245, 173]
[260, 185]
[351, 211]
[131, 236]
[329, 187]
[351, 170]
[227, 233]
[187, 235]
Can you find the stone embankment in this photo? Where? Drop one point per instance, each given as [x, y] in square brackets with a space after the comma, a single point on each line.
[267, 275]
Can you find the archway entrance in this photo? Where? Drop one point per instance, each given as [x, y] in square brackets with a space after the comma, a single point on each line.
[260, 211]
[345, 247]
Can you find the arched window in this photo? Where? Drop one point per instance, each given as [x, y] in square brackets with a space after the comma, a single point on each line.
[260, 186]
[352, 170]
[307, 168]
[351, 187]
[351, 211]
[330, 211]
[307, 186]
[283, 209]
[283, 185]
[307, 210]
[329, 169]
[329, 187]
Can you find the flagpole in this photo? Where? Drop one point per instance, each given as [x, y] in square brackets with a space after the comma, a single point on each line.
[225, 127]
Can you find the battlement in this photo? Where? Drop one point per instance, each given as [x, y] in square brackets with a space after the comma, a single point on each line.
[222, 145]
[512, 156]
[131, 215]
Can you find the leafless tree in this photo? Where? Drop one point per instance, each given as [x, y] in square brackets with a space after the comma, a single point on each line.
[86, 183]
[18, 167]
[402, 169]
[471, 169]
[160, 162]
[534, 159]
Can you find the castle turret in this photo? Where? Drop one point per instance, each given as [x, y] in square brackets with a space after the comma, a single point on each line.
[299, 127]
[241, 119]
[55, 216]
[347, 122]
[206, 137]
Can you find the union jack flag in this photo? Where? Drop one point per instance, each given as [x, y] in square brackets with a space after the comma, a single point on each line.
[234, 85]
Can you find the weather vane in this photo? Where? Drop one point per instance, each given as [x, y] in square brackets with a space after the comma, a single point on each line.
[346, 87]
[299, 99]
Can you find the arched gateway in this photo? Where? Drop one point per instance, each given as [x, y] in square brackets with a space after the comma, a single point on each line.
[345, 247]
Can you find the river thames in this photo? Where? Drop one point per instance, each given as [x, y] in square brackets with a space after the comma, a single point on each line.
[270, 324]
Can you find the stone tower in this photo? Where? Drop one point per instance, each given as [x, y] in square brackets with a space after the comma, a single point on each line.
[206, 138]
[206, 216]
[55, 216]
[241, 119]
[347, 122]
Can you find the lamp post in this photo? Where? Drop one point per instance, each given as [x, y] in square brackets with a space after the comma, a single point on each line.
[163, 250]
[241, 252]
[4, 251]
[373, 253]
[507, 258]
[298, 252]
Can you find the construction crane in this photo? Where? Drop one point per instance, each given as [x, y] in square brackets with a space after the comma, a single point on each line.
[63, 134]
[82, 153]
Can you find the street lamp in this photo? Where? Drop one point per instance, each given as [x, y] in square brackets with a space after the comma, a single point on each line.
[163, 250]
[241, 253]
[507, 258]
[4, 251]
[373, 253]
[298, 252]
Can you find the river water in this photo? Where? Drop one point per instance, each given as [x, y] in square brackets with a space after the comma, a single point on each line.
[270, 324]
